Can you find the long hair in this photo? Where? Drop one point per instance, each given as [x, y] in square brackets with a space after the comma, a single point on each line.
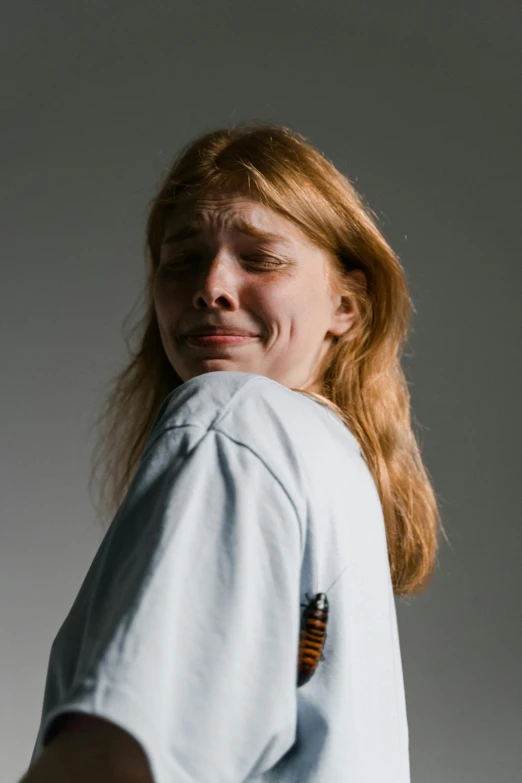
[360, 377]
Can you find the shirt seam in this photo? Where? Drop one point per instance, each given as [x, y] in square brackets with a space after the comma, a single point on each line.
[206, 431]
[214, 427]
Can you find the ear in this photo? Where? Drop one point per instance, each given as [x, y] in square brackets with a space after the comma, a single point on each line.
[346, 311]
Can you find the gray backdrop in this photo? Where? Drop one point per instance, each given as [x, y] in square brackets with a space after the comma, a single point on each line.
[420, 104]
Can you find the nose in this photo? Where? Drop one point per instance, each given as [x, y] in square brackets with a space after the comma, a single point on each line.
[216, 285]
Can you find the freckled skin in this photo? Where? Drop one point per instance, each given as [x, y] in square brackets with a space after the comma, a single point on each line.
[278, 290]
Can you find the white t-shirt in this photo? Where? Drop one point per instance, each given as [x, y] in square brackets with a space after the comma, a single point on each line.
[185, 631]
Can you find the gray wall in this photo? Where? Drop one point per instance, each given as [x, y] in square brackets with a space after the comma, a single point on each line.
[421, 105]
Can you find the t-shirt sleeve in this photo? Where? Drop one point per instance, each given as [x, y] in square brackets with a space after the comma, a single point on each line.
[190, 614]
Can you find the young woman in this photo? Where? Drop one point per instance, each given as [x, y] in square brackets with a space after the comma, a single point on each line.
[258, 451]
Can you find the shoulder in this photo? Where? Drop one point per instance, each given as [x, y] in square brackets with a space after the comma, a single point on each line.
[210, 400]
[242, 412]
[276, 422]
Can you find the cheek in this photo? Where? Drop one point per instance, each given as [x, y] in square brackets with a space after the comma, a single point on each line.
[278, 298]
[292, 302]
[165, 299]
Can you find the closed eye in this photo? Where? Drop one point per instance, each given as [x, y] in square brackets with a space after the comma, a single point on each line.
[265, 260]
[189, 260]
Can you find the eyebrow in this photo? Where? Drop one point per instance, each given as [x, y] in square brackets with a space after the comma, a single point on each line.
[194, 228]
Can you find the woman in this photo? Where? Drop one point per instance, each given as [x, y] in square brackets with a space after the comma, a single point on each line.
[258, 451]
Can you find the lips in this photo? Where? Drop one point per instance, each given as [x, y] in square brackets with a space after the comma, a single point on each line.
[222, 330]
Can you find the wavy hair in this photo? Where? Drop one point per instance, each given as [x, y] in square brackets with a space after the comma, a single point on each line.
[360, 377]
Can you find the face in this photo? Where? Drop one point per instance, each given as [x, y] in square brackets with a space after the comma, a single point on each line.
[232, 262]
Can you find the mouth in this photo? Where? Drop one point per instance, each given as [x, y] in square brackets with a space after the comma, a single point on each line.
[219, 339]
[207, 331]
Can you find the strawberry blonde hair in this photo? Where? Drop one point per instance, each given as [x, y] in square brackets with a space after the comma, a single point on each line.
[360, 378]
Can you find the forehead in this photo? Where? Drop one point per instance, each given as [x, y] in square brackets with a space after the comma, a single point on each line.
[231, 214]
